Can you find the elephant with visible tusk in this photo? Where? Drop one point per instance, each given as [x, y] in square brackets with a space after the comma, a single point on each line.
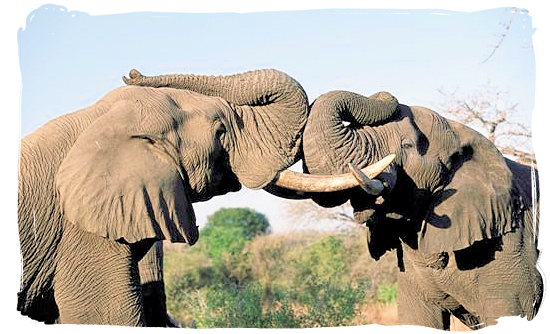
[98, 187]
[285, 183]
[461, 218]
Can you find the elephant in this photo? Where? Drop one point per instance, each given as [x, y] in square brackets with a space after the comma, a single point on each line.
[99, 188]
[460, 217]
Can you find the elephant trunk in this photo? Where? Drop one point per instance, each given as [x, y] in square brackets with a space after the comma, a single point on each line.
[253, 88]
[330, 145]
[270, 113]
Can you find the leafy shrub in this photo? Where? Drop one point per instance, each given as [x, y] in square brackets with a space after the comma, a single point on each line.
[324, 260]
[387, 293]
[231, 306]
[227, 306]
[237, 279]
[251, 222]
[228, 230]
[322, 286]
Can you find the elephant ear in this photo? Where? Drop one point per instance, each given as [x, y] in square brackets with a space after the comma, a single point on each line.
[477, 202]
[123, 185]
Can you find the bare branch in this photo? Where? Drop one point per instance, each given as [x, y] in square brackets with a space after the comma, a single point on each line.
[471, 114]
[304, 214]
[512, 133]
[521, 156]
[503, 35]
[487, 111]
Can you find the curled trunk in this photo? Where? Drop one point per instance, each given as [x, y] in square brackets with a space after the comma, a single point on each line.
[330, 144]
[253, 88]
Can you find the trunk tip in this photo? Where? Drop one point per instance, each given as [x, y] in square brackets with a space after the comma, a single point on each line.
[134, 75]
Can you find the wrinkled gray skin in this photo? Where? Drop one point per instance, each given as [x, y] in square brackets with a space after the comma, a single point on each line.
[457, 213]
[99, 186]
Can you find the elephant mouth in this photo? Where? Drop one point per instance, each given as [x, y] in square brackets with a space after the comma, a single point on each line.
[231, 183]
[300, 183]
[221, 185]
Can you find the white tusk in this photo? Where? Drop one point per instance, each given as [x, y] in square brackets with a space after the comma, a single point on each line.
[328, 183]
[370, 186]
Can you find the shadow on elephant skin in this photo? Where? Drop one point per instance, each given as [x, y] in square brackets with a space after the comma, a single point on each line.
[479, 254]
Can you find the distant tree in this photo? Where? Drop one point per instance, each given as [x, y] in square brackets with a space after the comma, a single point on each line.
[488, 111]
[305, 214]
[228, 230]
[251, 222]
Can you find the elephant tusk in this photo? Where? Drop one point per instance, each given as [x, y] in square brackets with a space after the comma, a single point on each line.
[370, 186]
[328, 183]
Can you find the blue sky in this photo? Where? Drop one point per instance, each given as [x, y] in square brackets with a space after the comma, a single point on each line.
[79, 57]
[69, 58]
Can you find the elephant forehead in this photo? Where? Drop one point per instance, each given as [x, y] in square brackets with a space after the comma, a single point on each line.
[155, 99]
[195, 102]
[435, 129]
[432, 124]
[165, 110]
[198, 128]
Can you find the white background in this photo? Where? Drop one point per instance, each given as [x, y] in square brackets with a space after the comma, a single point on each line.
[13, 18]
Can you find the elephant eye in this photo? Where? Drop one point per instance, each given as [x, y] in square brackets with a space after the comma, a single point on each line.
[221, 130]
[407, 143]
[148, 138]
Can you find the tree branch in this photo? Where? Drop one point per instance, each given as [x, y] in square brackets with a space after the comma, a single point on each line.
[507, 27]
[522, 156]
[487, 111]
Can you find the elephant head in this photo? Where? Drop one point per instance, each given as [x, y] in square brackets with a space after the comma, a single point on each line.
[154, 150]
[447, 187]
[100, 185]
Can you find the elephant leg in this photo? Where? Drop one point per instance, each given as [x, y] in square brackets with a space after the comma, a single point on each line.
[152, 287]
[468, 319]
[97, 281]
[414, 307]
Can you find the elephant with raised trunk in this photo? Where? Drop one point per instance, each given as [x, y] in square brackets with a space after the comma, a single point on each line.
[98, 187]
[461, 217]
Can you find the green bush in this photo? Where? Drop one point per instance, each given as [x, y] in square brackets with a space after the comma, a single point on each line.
[237, 276]
[251, 222]
[322, 285]
[322, 261]
[233, 306]
[228, 230]
[386, 293]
